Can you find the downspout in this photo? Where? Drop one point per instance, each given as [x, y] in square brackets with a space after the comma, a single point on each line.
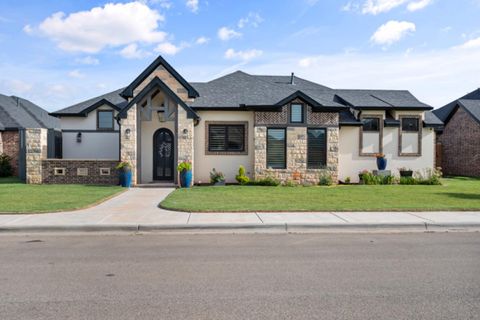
[119, 139]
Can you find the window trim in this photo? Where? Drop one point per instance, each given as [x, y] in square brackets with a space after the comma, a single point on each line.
[326, 147]
[302, 121]
[380, 135]
[226, 123]
[98, 120]
[401, 131]
[284, 144]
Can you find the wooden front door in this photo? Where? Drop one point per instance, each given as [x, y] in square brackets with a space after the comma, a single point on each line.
[163, 155]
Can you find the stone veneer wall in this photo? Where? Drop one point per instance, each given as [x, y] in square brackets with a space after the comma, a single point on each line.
[461, 145]
[296, 146]
[184, 140]
[128, 146]
[71, 174]
[36, 151]
[10, 145]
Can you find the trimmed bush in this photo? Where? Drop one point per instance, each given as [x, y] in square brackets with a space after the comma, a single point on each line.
[6, 169]
[241, 177]
[325, 179]
[267, 182]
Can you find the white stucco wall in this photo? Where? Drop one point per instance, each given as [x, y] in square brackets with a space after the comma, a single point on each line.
[228, 164]
[94, 145]
[350, 163]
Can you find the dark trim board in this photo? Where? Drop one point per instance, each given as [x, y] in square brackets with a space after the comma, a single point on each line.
[128, 91]
[87, 110]
[90, 131]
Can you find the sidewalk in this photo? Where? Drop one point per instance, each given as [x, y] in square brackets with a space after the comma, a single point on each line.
[136, 210]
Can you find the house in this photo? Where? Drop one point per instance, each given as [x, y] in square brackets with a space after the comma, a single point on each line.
[460, 138]
[16, 115]
[281, 126]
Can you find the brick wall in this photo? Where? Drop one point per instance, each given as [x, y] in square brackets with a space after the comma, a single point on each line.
[71, 175]
[11, 147]
[461, 145]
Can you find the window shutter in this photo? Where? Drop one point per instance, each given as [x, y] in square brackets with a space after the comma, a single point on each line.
[236, 136]
[216, 137]
[226, 138]
[276, 156]
[316, 148]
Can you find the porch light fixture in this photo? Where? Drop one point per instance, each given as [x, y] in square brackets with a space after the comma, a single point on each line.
[79, 137]
[128, 133]
[161, 115]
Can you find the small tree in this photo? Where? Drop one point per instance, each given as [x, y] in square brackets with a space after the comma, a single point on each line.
[241, 177]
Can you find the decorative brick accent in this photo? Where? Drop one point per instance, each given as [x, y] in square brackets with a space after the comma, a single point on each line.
[271, 117]
[296, 156]
[71, 172]
[10, 145]
[322, 118]
[128, 145]
[461, 145]
[36, 151]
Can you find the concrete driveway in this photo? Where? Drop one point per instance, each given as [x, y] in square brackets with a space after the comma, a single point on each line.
[139, 207]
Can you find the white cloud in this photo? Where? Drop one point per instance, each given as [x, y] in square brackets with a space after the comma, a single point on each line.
[246, 55]
[252, 19]
[202, 40]
[28, 29]
[392, 31]
[76, 74]
[18, 86]
[379, 6]
[88, 60]
[225, 34]
[133, 52]
[192, 5]
[418, 5]
[168, 48]
[112, 25]
[471, 44]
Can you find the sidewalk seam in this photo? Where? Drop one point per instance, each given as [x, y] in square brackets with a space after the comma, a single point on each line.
[339, 217]
[259, 217]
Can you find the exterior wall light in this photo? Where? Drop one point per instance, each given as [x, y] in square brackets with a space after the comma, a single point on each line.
[161, 115]
[79, 137]
[128, 133]
[185, 131]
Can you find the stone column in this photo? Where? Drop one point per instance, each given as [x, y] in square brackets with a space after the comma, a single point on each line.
[1, 143]
[260, 142]
[128, 142]
[36, 151]
[185, 138]
[332, 154]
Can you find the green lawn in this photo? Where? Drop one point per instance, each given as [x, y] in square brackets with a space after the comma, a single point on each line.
[17, 197]
[454, 194]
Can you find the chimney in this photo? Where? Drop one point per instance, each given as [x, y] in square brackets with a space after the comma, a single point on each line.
[292, 79]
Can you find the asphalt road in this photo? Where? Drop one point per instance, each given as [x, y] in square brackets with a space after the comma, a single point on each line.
[335, 276]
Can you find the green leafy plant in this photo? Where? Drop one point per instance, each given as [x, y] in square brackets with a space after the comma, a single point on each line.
[124, 166]
[290, 183]
[325, 179]
[6, 169]
[388, 179]
[369, 178]
[347, 180]
[267, 181]
[241, 177]
[408, 180]
[430, 177]
[184, 166]
[216, 176]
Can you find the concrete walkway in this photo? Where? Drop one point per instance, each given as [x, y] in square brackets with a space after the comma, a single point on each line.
[136, 210]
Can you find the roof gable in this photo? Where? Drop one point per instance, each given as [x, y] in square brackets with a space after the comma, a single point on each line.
[467, 102]
[128, 92]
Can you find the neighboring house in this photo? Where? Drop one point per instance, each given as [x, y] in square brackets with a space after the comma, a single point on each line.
[281, 126]
[460, 139]
[16, 115]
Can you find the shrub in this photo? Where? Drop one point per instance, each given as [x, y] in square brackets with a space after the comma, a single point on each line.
[369, 178]
[388, 180]
[289, 183]
[184, 166]
[267, 181]
[6, 169]
[216, 176]
[241, 177]
[408, 180]
[347, 180]
[429, 177]
[325, 179]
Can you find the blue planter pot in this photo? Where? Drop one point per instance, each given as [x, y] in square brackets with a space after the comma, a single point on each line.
[126, 179]
[381, 163]
[185, 178]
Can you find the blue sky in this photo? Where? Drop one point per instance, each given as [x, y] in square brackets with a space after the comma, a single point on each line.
[57, 53]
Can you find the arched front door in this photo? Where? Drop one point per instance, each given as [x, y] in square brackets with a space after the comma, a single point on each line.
[163, 155]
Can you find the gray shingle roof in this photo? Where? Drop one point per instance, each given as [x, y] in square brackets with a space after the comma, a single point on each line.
[18, 113]
[470, 101]
[388, 99]
[431, 120]
[82, 107]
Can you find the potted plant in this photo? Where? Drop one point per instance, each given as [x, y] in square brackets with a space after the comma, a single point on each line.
[185, 170]
[381, 161]
[217, 178]
[125, 169]
[405, 172]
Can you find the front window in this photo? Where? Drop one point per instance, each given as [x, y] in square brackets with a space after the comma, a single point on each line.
[296, 113]
[410, 124]
[371, 124]
[105, 120]
[316, 148]
[226, 138]
[276, 148]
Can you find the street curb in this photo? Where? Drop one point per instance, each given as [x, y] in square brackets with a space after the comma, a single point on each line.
[256, 228]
